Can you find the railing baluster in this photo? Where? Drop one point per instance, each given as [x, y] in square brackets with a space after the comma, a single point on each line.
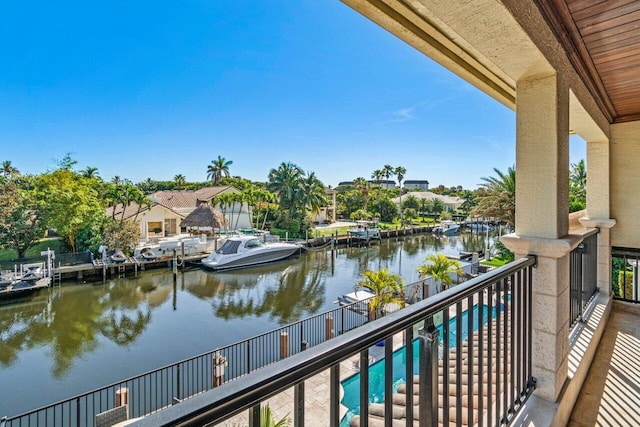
[388, 381]
[458, 362]
[445, 365]
[334, 396]
[408, 374]
[364, 388]
[428, 396]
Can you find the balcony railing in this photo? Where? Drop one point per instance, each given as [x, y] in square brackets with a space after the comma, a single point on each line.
[624, 274]
[472, 358]
[583, 264]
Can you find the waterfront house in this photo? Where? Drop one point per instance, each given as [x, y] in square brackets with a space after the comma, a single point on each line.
[327, 214]
[451, 203]
[163, 216]
[416, 184]
[385, 183]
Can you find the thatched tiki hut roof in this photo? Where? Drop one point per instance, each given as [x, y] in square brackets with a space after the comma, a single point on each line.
[204, 216]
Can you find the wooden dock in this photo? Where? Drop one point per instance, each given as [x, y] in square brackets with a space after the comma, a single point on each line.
[102, 270]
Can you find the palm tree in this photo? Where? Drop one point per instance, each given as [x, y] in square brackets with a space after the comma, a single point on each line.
[117, 180]
[387, 288]
[285, 182]
[364, 187]
[312, 193]
[499, 198]
[267, 419]
[7, 170]
[400, 172]
[578, 181]
[180, 180]
[387, 171]
[437, 206]
[217, 169]
[439, 268]
[90, 172]
[469, 201]
[377, 176]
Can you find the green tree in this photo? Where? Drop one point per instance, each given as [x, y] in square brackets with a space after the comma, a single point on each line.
[498, 200]
[400, 173]
[388, 210]
[217, 169]
[577, 186]
[285, 181]
[180, 180]
[312, 194]
[362, 185]
[8, 171]
[437, 206]
[469, 202]
[410, 214]
[90, 172]
[20, 225]
[69, 202]
[387, 288]
[411, 202]
[439, 268]
[388, 171]
[122, 235]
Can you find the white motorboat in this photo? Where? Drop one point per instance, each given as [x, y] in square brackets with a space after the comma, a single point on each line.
[447, 228]
[243, 251]
[364, 230]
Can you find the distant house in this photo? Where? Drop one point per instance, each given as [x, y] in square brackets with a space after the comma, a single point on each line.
[168, 208]
[385, 183]
[451, 204]
[327, 213]
[416, 184]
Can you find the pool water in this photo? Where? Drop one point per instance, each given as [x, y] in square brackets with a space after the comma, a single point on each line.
[351, 385]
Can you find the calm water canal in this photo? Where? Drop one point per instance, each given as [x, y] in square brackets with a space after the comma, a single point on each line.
[75, 338]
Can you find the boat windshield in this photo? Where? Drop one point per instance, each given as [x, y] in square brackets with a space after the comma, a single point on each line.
[253, 243]
[229, 247]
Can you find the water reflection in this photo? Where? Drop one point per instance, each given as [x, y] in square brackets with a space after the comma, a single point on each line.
[71, 339]
[70, 325]
[298, 291]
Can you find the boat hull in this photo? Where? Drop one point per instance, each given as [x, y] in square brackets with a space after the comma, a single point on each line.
[247, 260]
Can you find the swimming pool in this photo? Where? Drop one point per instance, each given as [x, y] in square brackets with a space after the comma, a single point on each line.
[351, 385]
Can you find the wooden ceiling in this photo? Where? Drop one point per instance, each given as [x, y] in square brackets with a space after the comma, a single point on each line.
[602, 40]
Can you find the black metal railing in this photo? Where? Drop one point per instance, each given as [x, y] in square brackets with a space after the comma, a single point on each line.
[160, 388]
[624, 274]
[481, 376]
[165, 386]
[583, 264]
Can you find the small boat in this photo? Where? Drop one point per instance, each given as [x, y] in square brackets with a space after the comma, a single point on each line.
[147, 254]
[364, 230]
[479, 226]
[356, 296]
[447, 228]
[244, 251]
[117, 257]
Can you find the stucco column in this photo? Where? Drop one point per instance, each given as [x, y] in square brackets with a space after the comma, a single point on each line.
[598, 190]
[542, 211]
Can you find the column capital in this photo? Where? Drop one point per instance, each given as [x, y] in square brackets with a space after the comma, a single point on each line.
[540, 246]
[598, 222]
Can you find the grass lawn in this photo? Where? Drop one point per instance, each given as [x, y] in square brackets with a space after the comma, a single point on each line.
[495, 262]
[34, 251]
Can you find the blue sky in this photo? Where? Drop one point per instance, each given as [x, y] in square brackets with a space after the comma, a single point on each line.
[153, 89]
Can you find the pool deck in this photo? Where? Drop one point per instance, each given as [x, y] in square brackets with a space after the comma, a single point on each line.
[317, 400]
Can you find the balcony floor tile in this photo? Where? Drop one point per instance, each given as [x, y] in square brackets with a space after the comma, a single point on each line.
[610, 395]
